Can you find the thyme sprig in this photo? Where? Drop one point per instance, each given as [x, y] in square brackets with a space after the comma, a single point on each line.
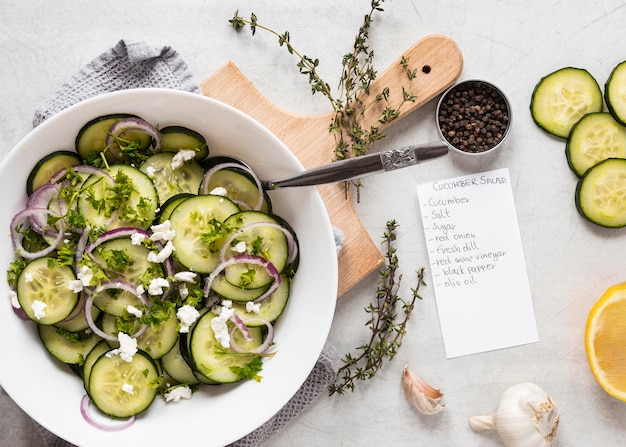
[389, 315]
[354, 97]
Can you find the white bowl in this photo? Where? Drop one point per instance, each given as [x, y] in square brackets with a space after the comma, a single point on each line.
[47, 390]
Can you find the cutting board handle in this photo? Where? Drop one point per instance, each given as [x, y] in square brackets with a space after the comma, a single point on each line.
[437, 62]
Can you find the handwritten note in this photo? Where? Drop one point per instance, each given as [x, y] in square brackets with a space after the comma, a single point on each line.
[477, 263]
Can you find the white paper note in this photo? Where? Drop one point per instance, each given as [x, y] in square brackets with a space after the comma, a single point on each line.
[477, 263]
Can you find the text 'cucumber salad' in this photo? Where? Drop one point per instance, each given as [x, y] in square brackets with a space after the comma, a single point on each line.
[148, 266]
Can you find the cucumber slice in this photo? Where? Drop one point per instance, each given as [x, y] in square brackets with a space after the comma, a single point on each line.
[44, 283]
[79, 322]
[601, 193]
[100, 348]
[168, 181]
[239, 187]
[177, 367]
[131, 200]
[166, 209]
[264, 240]
[195, 220]
[615, 93]
[92, 136]
[270, 308]
[49, 165]
[122, 389]
[67, 347]
[596, 137]
[156, 341]
[235, 293]
[212, 360]
[176, 138]
[138, 271]
[562, 98]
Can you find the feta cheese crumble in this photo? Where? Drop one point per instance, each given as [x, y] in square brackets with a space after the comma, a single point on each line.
[28, 277]
[185, 276]
[253, 307]
[181, 157]
[84, 279]
[156, 286]
[219, 323]
[134, 311]
[187, 315]
[219, 191]
[137, 238]
[75, 285]
[14, 301]
[128, 388]
[178, 393]
[38, 309]
[150, 170]
[239, 247]
[162, 255]
[127, 349]
[162, 232]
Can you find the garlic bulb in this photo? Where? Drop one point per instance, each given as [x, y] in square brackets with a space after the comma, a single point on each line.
[423, 396]
[526, 417]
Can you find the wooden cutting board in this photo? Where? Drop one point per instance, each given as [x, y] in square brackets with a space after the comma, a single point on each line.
[439, 63]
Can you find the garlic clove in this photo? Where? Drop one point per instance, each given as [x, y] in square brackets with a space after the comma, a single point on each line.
[423, 396]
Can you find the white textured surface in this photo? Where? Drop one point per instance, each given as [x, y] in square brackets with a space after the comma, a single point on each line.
[512, 44]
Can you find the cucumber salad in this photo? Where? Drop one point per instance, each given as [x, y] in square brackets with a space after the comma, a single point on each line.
[149, 267]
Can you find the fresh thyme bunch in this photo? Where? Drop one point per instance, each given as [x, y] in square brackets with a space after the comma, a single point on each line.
[353, 140]
[355, 97]
[387, 327]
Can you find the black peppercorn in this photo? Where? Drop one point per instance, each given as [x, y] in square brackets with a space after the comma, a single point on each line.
[473, 116]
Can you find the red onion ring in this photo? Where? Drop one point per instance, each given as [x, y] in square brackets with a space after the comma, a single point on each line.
[115, 234]
[250, 259]
[263, 347]
[24, 218]
[111, 425]
[134, 124]
[40, 199]
[204, 186]
[121, 285]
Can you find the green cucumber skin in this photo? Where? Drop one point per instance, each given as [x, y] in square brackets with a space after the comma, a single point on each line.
[620, 116]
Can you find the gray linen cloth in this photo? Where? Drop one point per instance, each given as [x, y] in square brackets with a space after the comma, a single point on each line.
[129, 65]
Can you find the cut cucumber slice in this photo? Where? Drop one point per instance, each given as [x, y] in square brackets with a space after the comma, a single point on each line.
[166, 209]
[136, 272]
[71, 348]
[615, 93]
[129, 200]
[171, 181]
[562, 98]
[92, 136]
[156, 341]
[43, 291]
[177, 138]
[270, 308]
[211, 359]
[122, 389]
[601, 193]
[99, 349]
[177, 367]
[195, 220]
[239, 186]
[596, 137]
[263, 240]
[48, 166]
